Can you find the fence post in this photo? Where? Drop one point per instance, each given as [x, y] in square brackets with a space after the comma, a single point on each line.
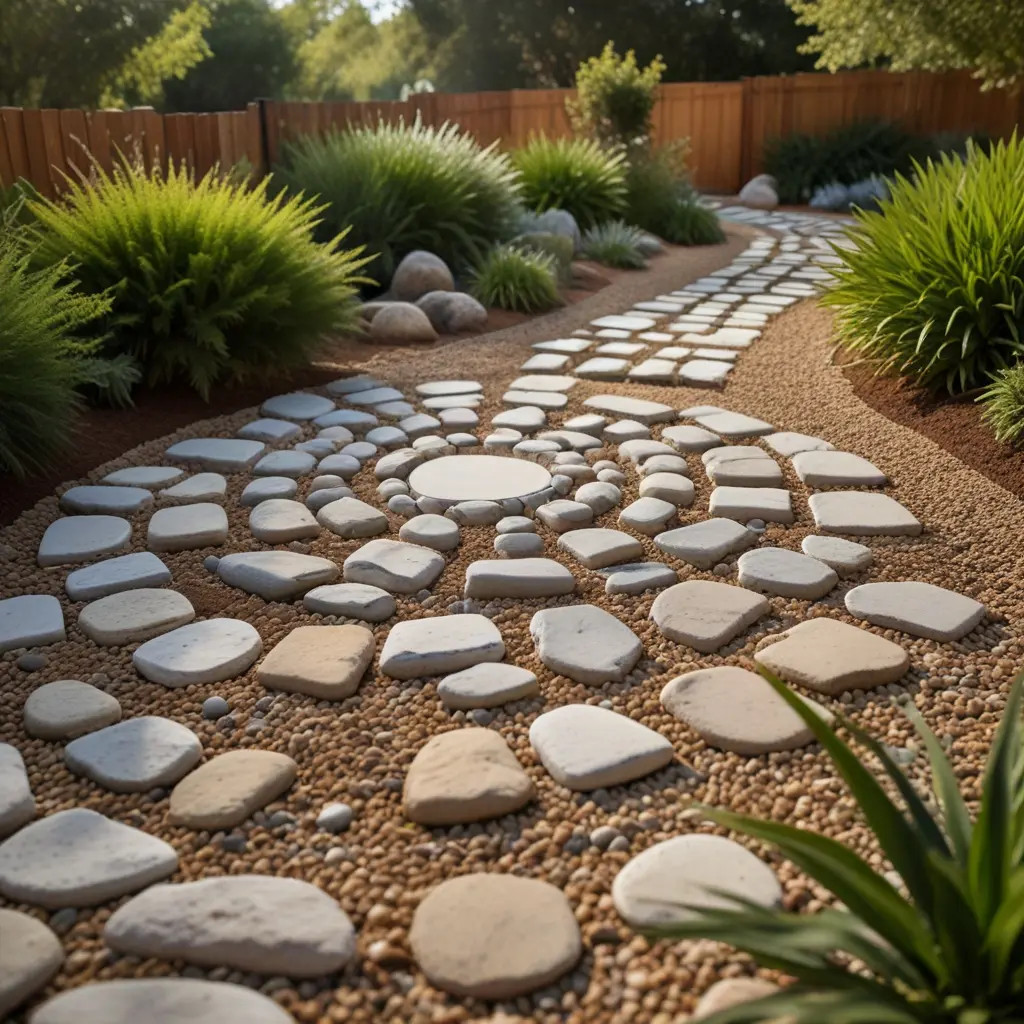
[264, 135]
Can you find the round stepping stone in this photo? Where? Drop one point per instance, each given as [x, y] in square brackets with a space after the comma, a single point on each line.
[17, 805]
[635, 579]
[432, 446]
[151, 477]
[547, 382]
[642, 449]
[436, 646]
[475, 513]
[574, 440]
[562, 515]
[585, 747]
[486, 685]
[360, 450]
[277, 926]
[113, 575]
[374, 396]
[786, 573]
[31, 620]
[30, 955]
[706, 615]
[671, 487]
[491, 936]
[664, 464]
[431, 531]
[324, 497]
[186, 527]
[269, 430]
[266, 488]
[288, 463]
[706, 544]
[397, 465]
[81, 538]
[78, 858]
[585, 643]
[325, 662]
[845, 556]
[837, 469]
[920, 609]
[350, 517]
[630, 408]
[201, 652]
[526, 419]
[459, 418]
[830, 657]
[539, 399]
[519, 545]
[448, 387]
[162, 1001]
[279, 520]
[222, 792]
[464, 776]
[387, 437]
[67, 708]
[730, 992]
[352, 601]
[220, 454]
[670, 882]
[113, 500]
[136, 755]
[456, 478]
[647, 515]
[352, 385]
[297, 406]
[438, 403]
[597, 548]
[863, 514]
[357, 421]
[276, 575]
[515, 524]
[201, 487]
[789, 443]
[772, 504]
[733, 709]
[690, 439]
[599, 495]
[134, 615]
[394, 566]
[523, 577]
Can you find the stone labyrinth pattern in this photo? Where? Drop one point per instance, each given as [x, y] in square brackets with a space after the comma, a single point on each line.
[322, 470]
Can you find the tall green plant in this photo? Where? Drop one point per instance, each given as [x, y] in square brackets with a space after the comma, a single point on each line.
[950, 951]
[517, 279]
[933, 287]
[1003, 405]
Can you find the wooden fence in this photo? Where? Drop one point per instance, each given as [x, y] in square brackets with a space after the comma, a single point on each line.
[727, 123]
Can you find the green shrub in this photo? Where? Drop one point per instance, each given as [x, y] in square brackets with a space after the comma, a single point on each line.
[615, 244]
[404, 187]
[1003, 402]
[15, 208]
[558, 247]
[575, 175]
[934, 287]
[209, 281]
[516, 279]
[615, 98]
[689, 222]
[950, 951]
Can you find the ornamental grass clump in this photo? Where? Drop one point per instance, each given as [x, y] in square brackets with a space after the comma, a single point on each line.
[1003, 405]
[615, 244]
[520, 280]
[933, 288]
[947, 950]
[401, 187]
[208, 281]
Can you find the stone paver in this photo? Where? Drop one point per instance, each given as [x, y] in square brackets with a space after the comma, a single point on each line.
[647, 515]
[269, 429]
[151, 477]
[29, 621]
[431, 531]
[585, 643]
[275, 926]
[837, 469]
[706, 615]
[276, 575]
[68, 708]
[279, 520]
[671, 487]
[487, 685]
[394, 566]
[599, 495]
[597, 548]
[298, 405]
[845, 556]
[789, 443]
[17, 805]
[733, 424]
[519, 545]
[186, 527]
[352, 601]
[219, 454]
[494, 936]
[351, 518]
[227, 789]
[325, 662]
[786, 573]
[266, 488]
[30, 955]
[454, 478]
[439, 645]
[772, 504]
[636, 578]
[201, 652]
[690, 439]
[563, 515]
[585, 747]
[200, 487]
[756, 472]
[862, 514]
[638, 409]
[921, 609]
[523, 577]
[82, 538]
[707, 543]
[134, 615]
[105, 499]
[113, 575]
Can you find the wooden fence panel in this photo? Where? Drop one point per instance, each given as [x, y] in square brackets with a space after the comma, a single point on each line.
[12, 120]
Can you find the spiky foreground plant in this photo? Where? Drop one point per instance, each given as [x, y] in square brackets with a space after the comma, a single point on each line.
[1003, 404]
[520, 280]
[949, 952]
[615, 244]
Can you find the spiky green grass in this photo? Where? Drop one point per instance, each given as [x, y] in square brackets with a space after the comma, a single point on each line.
[615, 244]
[516, 279]
[1003, 405]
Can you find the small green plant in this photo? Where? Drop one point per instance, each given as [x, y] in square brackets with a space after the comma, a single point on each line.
[933, 288]
[516, 279]
[689, 222]
[1003, 405]
[15, 212]
[209, 280]
[615, 244]
[400, 187]
[558, 247]
[615, 98]
[950, 950]
[576, 175]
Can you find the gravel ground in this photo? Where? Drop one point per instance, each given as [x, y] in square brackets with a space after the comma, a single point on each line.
[359, 750]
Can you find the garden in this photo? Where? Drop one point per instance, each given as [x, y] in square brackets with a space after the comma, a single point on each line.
[444, 582]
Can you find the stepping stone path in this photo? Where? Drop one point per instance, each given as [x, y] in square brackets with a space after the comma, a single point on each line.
[598, 548]
[278, 521]
[464, 776]
[585, 643]
[219, 454]
[845, 556]
[114, 575]
[134, 615]
[920, 609]
[275, 926]
[276, 575]
[493, 936]
[30, 621]
[862, 514]
[487, 685]
[185, 527]
[201, 652]
[786, 573]
[68, 708]
[706, 615]
[113, 500]
[30, 955]
[436, 646]
[325, 662]
[82, 538]
[17, 805]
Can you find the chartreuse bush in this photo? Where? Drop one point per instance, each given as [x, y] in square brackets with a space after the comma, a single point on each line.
[577, 175]
[208, 281]
[402, 187]
[615, 244]
[950, 950]
[934, 287]
[517, 279]
[1003, 405]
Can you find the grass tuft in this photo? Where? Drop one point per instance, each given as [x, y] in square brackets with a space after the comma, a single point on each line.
[1003, 405]
[521, 280]
[615, 244]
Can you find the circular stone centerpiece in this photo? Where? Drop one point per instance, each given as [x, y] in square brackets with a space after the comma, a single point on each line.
[455, 478]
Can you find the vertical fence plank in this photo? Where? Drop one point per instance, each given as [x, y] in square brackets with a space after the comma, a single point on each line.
[12, 120]
[75, 138]
[35, 145]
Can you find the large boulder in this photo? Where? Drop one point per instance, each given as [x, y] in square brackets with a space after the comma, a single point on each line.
[421, 272]
[554, 222]
[453, 312]
[402, 323]
[761, 193]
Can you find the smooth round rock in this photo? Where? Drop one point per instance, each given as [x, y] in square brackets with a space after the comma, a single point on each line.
[845, 556]
[134, 615]
[786, 573]
[68, 708]
[519, 545]
[730, 992]
[280, 520]
[266, 488]
[458, 478]
[431, 531]
[351, 601]
[487, 686]
[30, 955]
[109, 499]
[299, 405]
[493, 936]
[81, 538]
[201, 652]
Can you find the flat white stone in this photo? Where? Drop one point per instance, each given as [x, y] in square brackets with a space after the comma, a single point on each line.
[134, 615]
[706, 615]
[523, 577]
[201, 652]
[394, 566]
[351, 601]
[519, 545]
[419, 425]
[186, 527]
[734, 424]
[81, 538]
[17, 805]
[647, 515]
[569, 346]
[585, 643]
[670, 487]
[67, 708]
[30, 955]
[355, 421]
[597, 548]
[200, 487]
[78, 858]
[761, 471]
[270, 430]
[220, 454]
[352, 385]
[105, 499]
[786, 573]
[920, 609]
[724, 355]
[135, 755]
[276, 575]
[285, 463]
[730, 336]
[624, 323]
[350, 517]
[526, 418]
[432, 531]
[388, 437]
[588, 423]
[127, 572]
[539, 399]
[660, 371]
[631, 408]
[441, 402]
[690, 439]
[162, 1001]
[574, 440]
[862, 514]
[150, 477]
[704, 371]
[664, 464]
[29, 621]
[267, 487]
[772, 504]
[543, 382]
[789, 443]
[448, 387]
[603, 368]
[640, 450]
[845, 556]
[472, 513]
[545, 362]
[638, 577]
[585, 747]
[279, 520]
[837, 469]
[707, 543]
[562, 515]
[487, 685]
[438, 645]
[397, 465]
[361, 451]
[625, 430]
[674, 352]
[456, 478]
[672, 881]
[297, 406]
[374, 396]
